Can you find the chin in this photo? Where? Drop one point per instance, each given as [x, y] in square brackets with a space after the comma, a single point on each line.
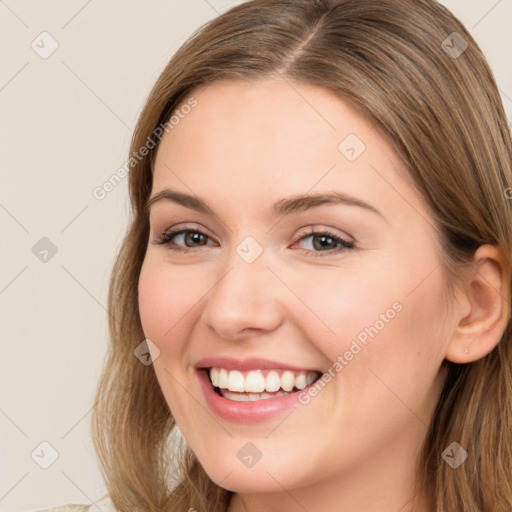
[262, 477]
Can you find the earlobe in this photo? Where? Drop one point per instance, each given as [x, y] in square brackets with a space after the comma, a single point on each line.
[478, 331]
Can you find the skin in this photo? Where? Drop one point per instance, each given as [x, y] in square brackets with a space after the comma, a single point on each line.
[245, 146]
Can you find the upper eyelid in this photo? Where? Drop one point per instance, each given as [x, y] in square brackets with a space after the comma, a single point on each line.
[193, 227]
[224, 229]
[312, 230]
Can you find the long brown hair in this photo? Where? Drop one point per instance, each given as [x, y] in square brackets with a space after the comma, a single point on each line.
[405, 65]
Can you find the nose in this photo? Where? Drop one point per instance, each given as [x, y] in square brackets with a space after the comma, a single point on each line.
[246, 300]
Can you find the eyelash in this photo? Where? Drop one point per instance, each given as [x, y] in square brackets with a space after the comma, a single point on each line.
[168, 236]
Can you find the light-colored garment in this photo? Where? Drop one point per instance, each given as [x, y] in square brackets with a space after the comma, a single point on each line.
[68, 508]
[104, 504]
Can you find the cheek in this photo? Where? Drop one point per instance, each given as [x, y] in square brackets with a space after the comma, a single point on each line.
[167, 298]
[344, 305]
[166, 304]
[388, 321]
[402, 357]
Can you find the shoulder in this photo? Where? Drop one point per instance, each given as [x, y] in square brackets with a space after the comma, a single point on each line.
[71, 507]
[106, 506]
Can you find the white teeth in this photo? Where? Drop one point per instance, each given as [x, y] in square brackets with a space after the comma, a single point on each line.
[223, 378]
[300, 381]
[249, 397]
[214, 376]
[255, 384]
[272, 381]
[310, 378]
[287, 380]
[236, 381]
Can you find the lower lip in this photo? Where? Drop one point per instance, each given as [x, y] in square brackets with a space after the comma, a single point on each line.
[245, 412]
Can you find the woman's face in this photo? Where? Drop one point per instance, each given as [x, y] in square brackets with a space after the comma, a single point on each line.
[261, 288]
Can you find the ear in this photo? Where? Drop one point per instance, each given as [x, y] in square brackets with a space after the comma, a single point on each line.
[486, 305]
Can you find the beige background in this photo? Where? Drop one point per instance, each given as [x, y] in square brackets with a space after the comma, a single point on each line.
[66, 122]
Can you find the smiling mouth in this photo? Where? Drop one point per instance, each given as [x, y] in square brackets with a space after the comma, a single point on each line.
[253, 385]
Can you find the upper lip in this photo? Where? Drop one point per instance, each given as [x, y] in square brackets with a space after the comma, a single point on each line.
[249, 363]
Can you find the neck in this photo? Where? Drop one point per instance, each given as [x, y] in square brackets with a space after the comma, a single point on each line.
[386, 483]
[291, 502]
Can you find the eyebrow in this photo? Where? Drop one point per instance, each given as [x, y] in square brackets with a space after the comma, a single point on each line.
[282, 207]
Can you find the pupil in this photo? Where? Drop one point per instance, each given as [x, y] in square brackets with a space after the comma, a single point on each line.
[323, 238]
[196, 237]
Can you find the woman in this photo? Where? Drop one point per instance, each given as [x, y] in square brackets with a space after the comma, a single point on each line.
[376, 375]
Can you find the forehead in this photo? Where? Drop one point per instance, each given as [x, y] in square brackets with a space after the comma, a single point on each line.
[269, 138]
[268, 115]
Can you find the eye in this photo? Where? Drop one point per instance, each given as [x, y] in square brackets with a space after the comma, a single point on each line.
[193, 237]
[321, 240]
